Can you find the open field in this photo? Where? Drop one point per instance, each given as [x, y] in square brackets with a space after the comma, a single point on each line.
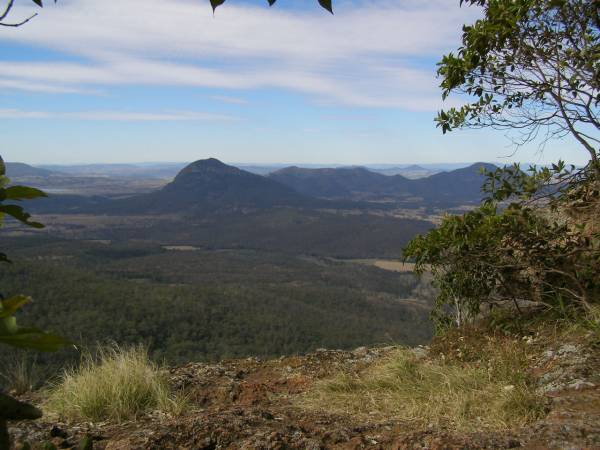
[386, 264]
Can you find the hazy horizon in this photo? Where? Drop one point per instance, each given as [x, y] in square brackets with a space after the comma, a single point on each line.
[258, 164]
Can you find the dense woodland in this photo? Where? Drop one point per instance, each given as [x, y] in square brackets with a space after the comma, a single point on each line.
[210, 304]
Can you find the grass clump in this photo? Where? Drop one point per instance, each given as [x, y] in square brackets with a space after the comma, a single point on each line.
[19, 374]
[117, 384]
[491, 393]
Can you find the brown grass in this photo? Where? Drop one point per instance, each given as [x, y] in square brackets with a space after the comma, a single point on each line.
[492, 392]
[119, 384]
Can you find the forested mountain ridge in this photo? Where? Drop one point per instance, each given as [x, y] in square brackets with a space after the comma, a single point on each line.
[454, 187]
[210, 185]
[343, 182]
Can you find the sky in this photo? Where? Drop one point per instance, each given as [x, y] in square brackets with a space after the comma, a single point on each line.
[89, 81]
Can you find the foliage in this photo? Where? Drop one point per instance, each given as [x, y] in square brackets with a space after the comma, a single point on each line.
[492, 391]
[532, 67]
[523, 253]
[119, 384]
[10, 333]
[327, 4]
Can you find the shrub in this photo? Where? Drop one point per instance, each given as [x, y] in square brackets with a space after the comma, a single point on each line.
[543, 247]
[118, 384]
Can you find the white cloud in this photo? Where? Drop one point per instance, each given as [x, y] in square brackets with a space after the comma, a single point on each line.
[20, 85]
[366, 55]
[119, 116]
[230, 100]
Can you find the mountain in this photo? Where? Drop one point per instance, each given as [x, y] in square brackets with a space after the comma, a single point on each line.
[412, 172]
[343, 182]
[445, 188]
[210, 185]
[454, 186]
[20, 170]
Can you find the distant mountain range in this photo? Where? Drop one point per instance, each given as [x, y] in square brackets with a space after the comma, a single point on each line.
[19, 170]
[455, 187]
[168, 170]
[348, 183]
[413, 171]
[209, 185]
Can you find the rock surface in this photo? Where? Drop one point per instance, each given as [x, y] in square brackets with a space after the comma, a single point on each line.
[249, 404]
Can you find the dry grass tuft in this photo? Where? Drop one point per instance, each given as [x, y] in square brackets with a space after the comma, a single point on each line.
[493, 393]
[119, 384]
[19, 374]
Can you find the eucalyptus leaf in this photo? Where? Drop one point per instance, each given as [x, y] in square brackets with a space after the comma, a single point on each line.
[18, 213]
[23, 193]
[33, 338]
[9, 306]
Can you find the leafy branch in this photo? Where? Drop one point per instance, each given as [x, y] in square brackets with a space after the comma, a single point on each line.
[10, 333]
[8, 8]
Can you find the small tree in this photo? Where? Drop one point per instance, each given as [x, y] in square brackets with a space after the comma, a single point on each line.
[518, 254]
[532, 67]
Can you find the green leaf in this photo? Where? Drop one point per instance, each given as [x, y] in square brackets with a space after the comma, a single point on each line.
[216, 3]
[327, 5]
[18, 213]
[38, 2]
[36, 339]
[8, 326]
[10, 306]
[23, 193]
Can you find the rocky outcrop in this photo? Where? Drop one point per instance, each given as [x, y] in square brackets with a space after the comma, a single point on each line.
[252, 404]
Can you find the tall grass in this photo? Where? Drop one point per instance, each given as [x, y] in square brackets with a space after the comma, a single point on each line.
[461, 396]
[117, 384]
[19, 374]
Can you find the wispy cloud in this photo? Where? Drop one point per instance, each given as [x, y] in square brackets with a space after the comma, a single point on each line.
[119, 116]
[20, 85]
[230, 100]
[367, 55]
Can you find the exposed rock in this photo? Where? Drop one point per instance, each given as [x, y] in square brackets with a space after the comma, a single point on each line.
[249, 404]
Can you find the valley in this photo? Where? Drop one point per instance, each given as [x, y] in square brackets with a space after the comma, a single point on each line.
[221, 262]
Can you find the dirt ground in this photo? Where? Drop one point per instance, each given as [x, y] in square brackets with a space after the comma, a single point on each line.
[250, 404]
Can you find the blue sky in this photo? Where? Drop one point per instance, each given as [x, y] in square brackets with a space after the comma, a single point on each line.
[152, 80]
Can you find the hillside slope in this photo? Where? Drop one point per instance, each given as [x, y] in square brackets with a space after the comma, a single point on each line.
[209, 185]
[20, 170]
[339, 183]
